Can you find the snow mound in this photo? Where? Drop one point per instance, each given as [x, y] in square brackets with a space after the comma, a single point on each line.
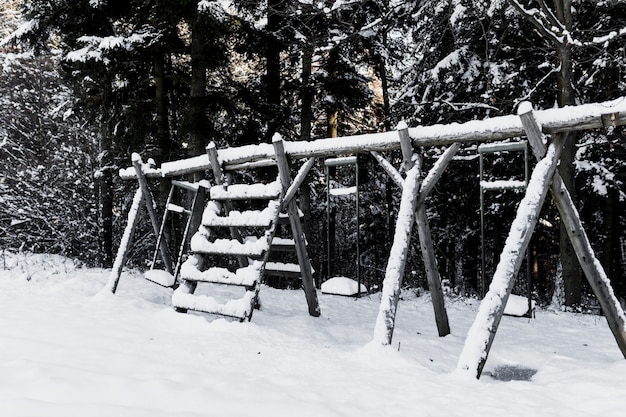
[342, 286]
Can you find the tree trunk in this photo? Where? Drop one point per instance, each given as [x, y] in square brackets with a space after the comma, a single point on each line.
[306, 121]
[565, 96]
[307, 94]
[272, 58]
[198, 125]
[105, 196]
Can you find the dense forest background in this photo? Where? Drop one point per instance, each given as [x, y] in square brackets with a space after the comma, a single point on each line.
[84, 83]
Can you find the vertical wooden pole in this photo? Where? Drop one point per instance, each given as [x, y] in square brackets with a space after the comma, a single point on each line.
[150, 205]
[296, 227]
[483, 331]
[590, 265]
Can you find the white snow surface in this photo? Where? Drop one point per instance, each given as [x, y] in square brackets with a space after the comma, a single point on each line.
[72, 350]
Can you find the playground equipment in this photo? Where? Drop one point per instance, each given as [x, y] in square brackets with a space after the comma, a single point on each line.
[412, 210]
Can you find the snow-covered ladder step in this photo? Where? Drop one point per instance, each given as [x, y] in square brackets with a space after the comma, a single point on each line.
[247, 276]
[280, 269]
[252, 248]
[238, 308]
[251, 218]
[280, 244]
[246, 191]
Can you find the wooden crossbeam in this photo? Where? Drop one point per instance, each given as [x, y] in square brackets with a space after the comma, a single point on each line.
[571, 118]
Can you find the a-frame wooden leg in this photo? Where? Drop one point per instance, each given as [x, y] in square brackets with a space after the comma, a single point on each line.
[122, 251]
[392, 284]
[480, 336]
[590, 265]
[412, 199]
[296, 227]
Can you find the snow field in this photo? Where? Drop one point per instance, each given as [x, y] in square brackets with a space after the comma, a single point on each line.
[70, 349]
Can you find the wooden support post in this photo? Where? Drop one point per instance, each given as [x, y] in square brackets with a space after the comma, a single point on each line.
[122, 251]
[483, 331]
[426, 244]
[150, 205]
[406, 146]
[394, 273]
[590, 265]
[423, 228]
[296, 227]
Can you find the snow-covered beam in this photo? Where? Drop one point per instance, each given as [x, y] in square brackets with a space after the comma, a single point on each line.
[583, 117]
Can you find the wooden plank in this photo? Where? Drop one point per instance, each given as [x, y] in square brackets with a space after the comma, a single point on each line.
[483, 331]
[589, 263]
[426, 242]
[166, 257]
[296, 227]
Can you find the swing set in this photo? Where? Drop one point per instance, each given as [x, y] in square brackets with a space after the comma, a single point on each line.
[249, 237]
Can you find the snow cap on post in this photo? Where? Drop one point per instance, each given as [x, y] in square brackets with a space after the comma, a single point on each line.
[524, 108]
[402, 125]
[135, 157]
[211, 146]
[277, 138]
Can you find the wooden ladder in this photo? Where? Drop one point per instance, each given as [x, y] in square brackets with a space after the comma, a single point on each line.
[237, 260]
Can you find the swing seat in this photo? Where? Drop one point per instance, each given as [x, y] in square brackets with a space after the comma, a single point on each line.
[160, 277]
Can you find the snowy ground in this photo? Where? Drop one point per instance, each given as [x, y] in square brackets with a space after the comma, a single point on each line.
[69, 350]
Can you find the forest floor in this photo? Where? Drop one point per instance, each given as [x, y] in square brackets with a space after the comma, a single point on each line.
[69, 349]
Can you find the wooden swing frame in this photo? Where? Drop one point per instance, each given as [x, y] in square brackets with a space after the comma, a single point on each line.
[527, 123]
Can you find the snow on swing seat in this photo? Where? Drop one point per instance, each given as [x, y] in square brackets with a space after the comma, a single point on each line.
[161, 277]
[518, 306]
[342, 286]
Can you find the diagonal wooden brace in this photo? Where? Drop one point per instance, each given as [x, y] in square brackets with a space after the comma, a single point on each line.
[166, 257]
[296, 227]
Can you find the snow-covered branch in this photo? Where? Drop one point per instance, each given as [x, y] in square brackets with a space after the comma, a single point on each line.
[546, 23]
